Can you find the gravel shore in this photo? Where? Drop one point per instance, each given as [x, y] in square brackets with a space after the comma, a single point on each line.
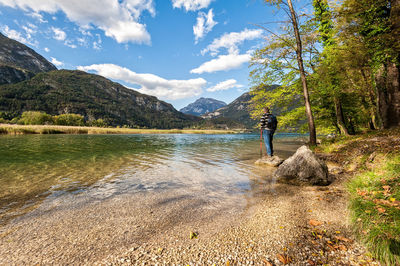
[274, 224]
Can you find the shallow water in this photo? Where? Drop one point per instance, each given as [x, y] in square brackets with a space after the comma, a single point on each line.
[45, 170]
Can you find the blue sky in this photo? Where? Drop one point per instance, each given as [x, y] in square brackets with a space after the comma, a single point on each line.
[176, 50]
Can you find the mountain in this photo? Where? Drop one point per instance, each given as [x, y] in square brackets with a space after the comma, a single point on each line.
[237, 110]
[94, 97]
[202, 106]
[18, 62]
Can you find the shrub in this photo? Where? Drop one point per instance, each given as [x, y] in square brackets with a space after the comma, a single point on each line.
[35, 118]
[69, 120]
[98, 123]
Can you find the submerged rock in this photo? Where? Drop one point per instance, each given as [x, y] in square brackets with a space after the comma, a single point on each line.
[304, 168]
[274, 161]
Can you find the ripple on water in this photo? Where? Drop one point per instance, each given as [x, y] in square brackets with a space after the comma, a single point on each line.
[47, 169]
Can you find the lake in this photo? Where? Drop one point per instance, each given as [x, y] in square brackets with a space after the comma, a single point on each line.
[91, 187]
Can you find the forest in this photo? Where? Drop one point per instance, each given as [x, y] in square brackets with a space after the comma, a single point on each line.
[342, 58]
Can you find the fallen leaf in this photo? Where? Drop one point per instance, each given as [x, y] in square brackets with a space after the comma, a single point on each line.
[337, 232]
[193, 235]
[311, 262]
[392, 199]
[341, 238]
[267, 263]
[381, 210]
[284, 259]
[368, 211]
[228, 263]
[342, 247]
[314, 222]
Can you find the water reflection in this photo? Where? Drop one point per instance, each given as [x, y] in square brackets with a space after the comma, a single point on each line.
[46, 167]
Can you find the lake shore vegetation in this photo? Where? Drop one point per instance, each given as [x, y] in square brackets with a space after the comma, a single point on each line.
[371, 162]
[14, 129]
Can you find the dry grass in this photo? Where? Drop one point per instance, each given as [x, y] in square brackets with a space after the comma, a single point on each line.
[51, 129]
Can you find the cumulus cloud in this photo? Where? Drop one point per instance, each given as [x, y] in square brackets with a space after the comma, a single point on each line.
[13, 34]
[222, 63]
[205, 23]
[149, 83]
[117, 18]
[56, 62]
[225, 85]
[191, 5]
[59, 34]
[18, 36]
[46, 49]
[231, 41]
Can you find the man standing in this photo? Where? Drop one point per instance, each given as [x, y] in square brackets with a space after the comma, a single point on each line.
[268, 124]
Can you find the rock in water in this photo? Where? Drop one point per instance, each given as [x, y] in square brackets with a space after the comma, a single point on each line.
[274, 161]
[304, 167]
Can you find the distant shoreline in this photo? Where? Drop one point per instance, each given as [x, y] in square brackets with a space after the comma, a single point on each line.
[11, 129]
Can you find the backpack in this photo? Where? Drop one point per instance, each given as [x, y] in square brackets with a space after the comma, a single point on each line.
[271, 122]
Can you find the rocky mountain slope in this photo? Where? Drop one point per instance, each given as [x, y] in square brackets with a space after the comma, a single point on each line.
[202, 106]
[18, 62]
[93, 96]
[237, 110]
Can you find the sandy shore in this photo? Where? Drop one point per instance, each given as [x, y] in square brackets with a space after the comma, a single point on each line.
[269, 225]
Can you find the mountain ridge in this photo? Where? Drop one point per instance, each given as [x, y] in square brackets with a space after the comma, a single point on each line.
[202, 106]
[18, 62]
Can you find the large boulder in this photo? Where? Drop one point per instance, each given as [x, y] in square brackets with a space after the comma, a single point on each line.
[304, 168]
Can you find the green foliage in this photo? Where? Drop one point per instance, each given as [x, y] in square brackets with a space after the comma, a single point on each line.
[323, 17]
[276, 63]
[35, 118]
[99, 123]
[375, 207]
[69, 120]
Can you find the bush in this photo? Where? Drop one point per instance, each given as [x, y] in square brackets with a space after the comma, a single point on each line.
[35, 118]
[14, 120]
[98, 123]
[69, 120]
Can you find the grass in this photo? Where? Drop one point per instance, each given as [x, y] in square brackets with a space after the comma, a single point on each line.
[373, 159]
[51, 129]
[375, 208]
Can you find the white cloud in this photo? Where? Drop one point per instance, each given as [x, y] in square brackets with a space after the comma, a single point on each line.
[13, 34]
[225, 85]
[46, 49]
[191, 5]
[96, 45]
[18, 36]
[222, 62]
[56, 62]
[205, 23]
[37, 16]
[230, 41]
[117, 18]
[149, 83]
[59, 34]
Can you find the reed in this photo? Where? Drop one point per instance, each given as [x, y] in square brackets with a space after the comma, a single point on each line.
[52, 129]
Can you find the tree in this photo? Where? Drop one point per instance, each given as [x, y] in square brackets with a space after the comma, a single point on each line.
[285, 45]
[323, 18]
[35, 118]
[376, 24]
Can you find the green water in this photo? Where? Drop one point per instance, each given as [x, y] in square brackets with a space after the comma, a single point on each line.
[37, 167]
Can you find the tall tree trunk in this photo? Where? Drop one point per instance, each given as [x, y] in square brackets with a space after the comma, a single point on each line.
[299, 49]
[387, 78]
[339, 116]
